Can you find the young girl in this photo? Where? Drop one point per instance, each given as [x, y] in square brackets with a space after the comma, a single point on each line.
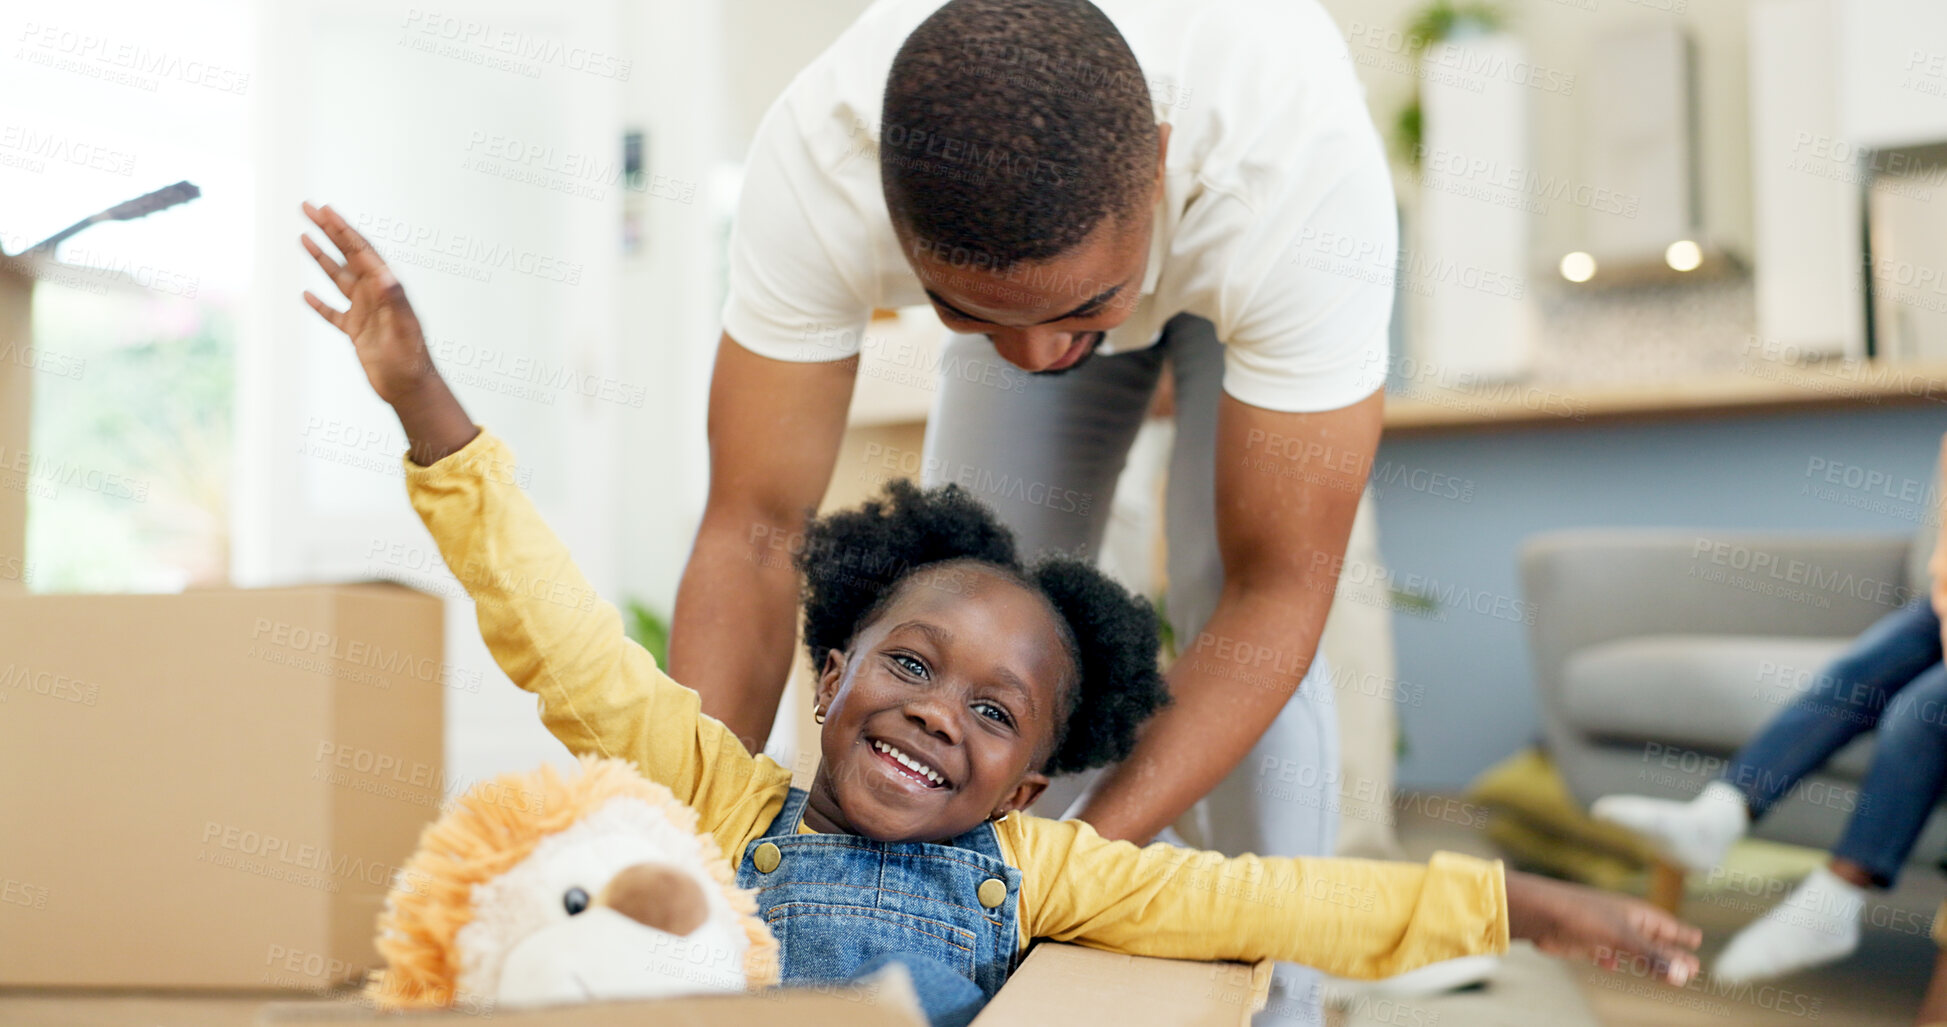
[953, 681]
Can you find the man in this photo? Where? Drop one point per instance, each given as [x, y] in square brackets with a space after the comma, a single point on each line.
[1086, 195]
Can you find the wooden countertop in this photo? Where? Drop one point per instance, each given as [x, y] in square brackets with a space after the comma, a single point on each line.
[900, 364]
[1755, 386]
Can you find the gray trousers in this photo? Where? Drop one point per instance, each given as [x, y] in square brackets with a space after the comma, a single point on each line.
[1045, 453]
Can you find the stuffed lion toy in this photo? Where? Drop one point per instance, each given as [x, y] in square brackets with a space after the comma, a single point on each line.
[542, 888]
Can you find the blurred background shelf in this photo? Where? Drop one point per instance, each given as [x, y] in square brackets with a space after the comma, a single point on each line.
[1761, 386]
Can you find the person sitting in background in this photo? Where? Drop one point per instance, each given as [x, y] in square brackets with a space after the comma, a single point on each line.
[953, 681]
[1891, 681]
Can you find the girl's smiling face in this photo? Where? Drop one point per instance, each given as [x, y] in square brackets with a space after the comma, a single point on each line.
[941, 709]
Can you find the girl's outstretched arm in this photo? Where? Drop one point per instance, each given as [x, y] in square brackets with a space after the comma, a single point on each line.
[1350, 917]
[600, 692]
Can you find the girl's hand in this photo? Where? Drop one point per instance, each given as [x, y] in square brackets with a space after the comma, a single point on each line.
[381, 324]
[390, 346]
[1612, 931]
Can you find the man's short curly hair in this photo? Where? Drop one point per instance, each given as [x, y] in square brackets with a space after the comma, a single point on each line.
[855, 561]
[1011, 128]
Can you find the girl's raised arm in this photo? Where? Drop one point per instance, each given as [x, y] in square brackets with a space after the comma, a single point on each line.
[600, 692]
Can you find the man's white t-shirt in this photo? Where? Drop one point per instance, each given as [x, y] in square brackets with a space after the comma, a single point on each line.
[1277, 220]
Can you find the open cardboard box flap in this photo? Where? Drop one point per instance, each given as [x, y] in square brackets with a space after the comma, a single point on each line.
[1057, 984]
[16, 391]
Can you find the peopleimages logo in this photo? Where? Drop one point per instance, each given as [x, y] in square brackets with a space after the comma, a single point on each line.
[1454, 164]
[306, 864]
[43, 360]
[965, 155]
[1421, 588]
[87, 53]
[453, 36]
[328, 649]
[482, 255]
[1768, 567]
[1452, 63]
[54, 473]
[63, 149]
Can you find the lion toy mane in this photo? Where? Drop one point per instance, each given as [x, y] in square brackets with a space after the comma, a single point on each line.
[543, 888]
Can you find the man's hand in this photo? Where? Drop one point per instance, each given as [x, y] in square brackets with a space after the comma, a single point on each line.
[1612, 931]
[385, 332]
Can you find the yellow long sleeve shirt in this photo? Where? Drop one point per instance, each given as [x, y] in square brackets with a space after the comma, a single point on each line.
[601, 693]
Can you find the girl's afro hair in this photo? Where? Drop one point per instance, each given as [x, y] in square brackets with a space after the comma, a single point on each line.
[854, 560]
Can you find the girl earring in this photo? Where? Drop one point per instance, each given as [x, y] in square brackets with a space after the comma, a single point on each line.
[818, 714]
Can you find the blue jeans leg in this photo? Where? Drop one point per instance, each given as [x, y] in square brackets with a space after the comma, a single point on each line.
[1848, 700]
[1909, 765]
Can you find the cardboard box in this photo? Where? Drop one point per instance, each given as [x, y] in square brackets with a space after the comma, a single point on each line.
[1063, 984]
[1074, 985]
[16, 394]
[887, 1001]
[212, 789]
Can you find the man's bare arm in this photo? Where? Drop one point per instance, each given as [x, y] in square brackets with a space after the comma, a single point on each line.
[774, 430]
[1287, 486]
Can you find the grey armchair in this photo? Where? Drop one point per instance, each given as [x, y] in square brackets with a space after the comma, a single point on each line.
[1659, 652]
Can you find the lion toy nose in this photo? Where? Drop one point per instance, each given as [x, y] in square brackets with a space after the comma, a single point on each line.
[657, 895]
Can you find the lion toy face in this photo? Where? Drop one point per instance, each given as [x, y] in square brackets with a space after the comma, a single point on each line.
[539, 888]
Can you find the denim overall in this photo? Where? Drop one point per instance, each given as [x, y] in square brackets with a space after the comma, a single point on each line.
[841, 905]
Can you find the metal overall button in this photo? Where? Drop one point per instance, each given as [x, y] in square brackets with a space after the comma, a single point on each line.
[993, 892]
[766, 857]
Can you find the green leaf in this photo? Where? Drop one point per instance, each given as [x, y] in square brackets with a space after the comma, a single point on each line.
[1407, 133]
[1438, 20]
[1165, 634]
[1434, 23]
[1418, 605]
[649, 629]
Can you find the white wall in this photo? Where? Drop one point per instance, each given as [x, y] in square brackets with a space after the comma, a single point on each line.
[669, 296]
[1559, 37]
[768, 42]
[1895, 89]
[705, 74]
[517, 273]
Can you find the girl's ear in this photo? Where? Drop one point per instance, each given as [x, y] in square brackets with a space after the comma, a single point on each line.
[830, 677]
[1025, 792]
